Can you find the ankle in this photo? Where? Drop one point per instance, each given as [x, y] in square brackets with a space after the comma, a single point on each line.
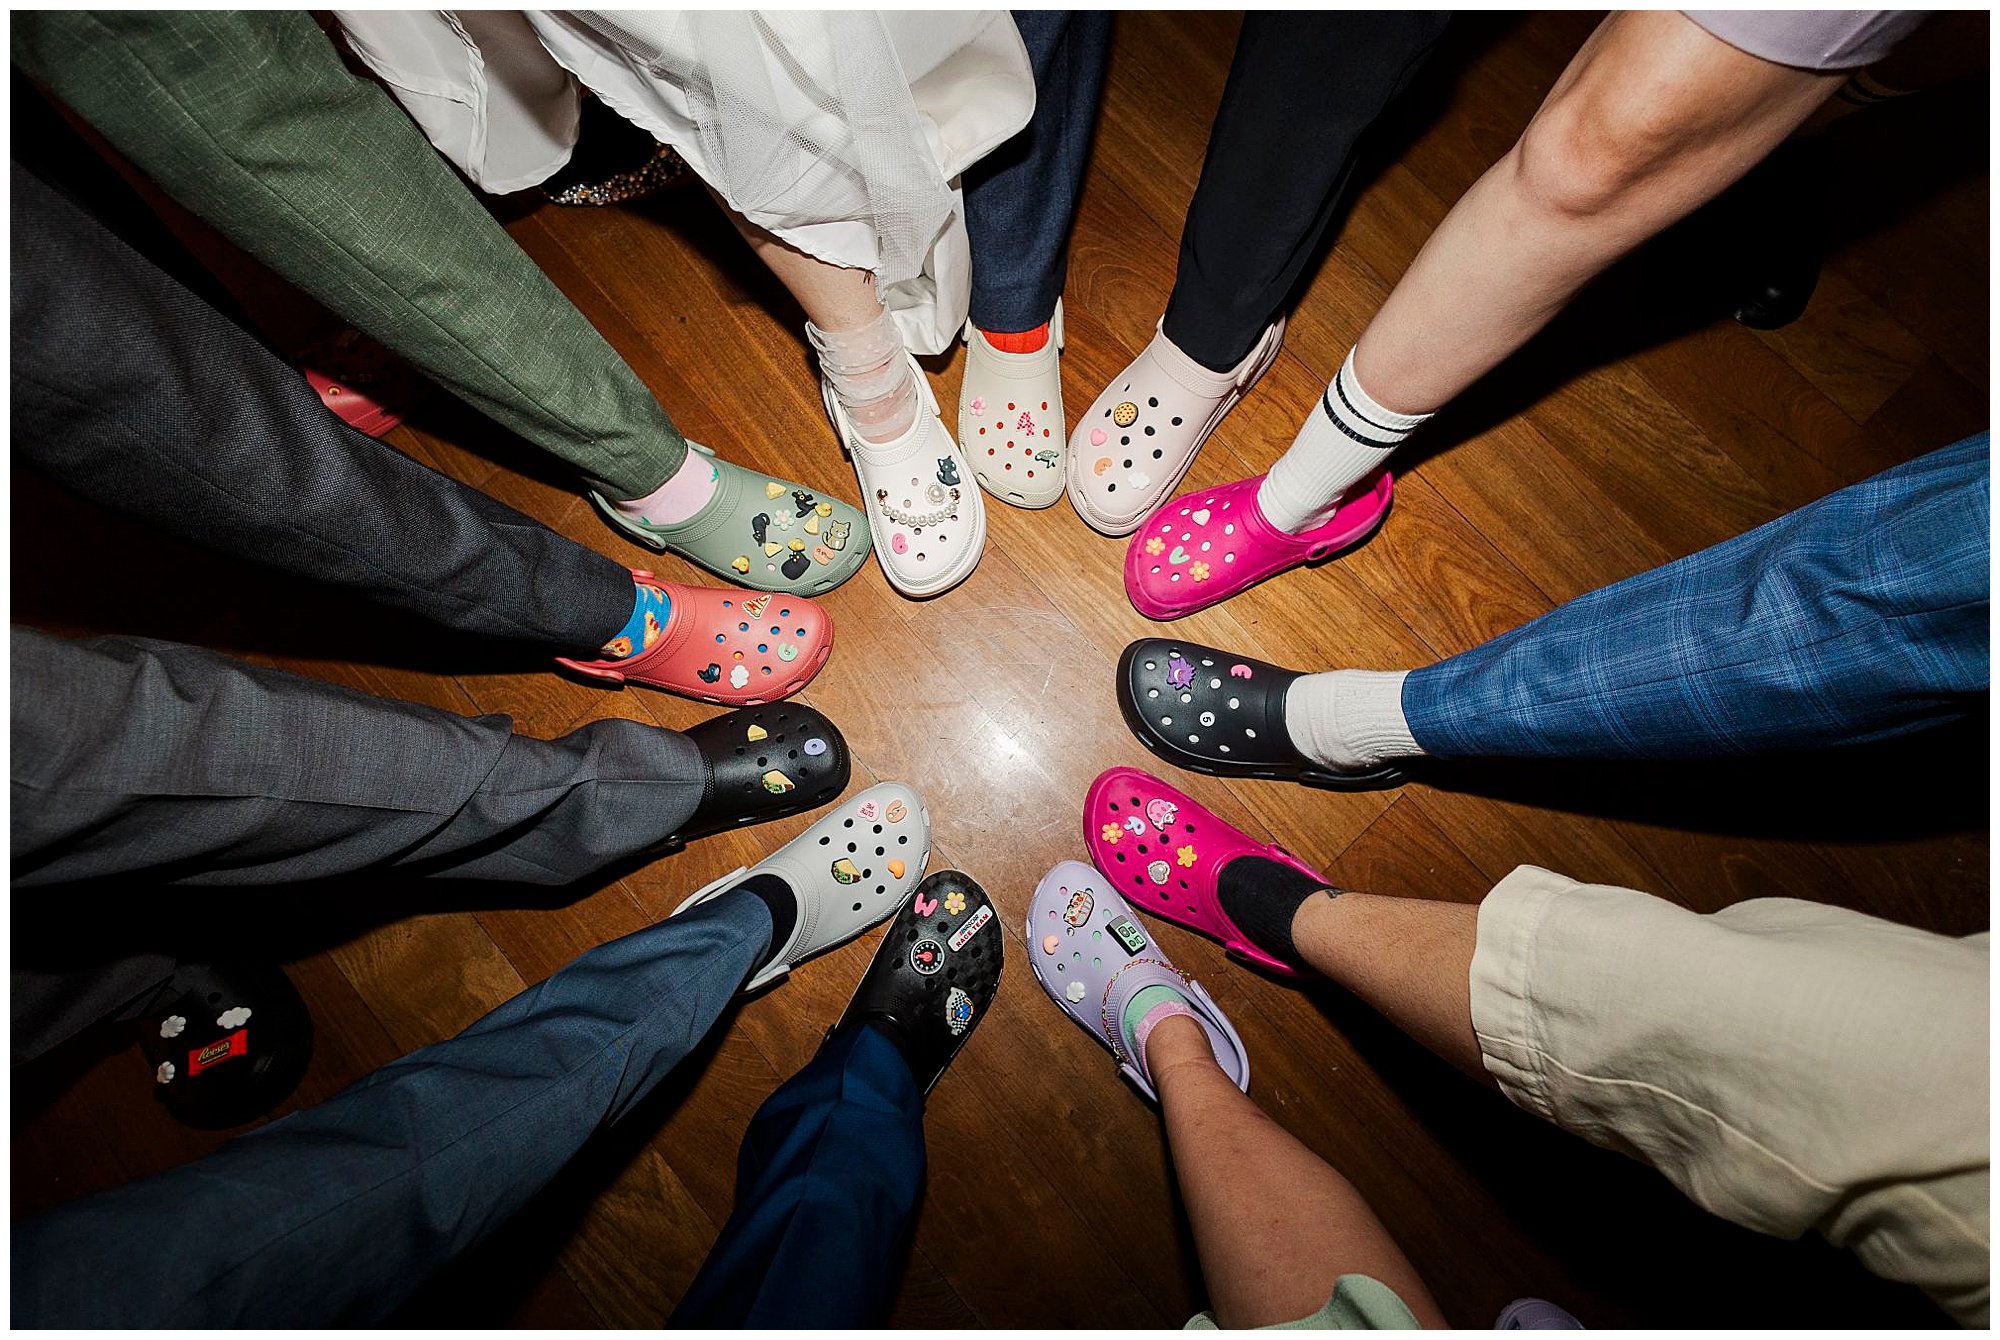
[1177, 1043]
[684, 493]
[1346, 438]
[1262, 897]
[1314, 925]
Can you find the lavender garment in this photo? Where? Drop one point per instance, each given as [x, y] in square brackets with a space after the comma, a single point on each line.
[1813, 39]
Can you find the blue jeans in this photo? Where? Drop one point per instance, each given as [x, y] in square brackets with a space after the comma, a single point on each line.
[826, 1186]
[335, 1215]
[1855, 618]
[1021, 198]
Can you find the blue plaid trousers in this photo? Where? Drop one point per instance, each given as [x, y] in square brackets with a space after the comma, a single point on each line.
[1855, 618]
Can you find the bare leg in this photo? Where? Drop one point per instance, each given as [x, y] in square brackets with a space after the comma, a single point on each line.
[1410, 958]
[1652, 118]
[835, 297]
[1273, 1224]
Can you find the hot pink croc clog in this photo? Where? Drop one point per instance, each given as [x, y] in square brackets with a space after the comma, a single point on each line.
[1165, 853]
[720, 645]
[1204, 547]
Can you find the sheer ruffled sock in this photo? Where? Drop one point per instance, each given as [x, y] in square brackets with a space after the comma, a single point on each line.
[870, 375]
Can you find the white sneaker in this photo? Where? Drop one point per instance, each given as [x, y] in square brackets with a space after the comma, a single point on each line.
[852, 869]
[1010, 417]
[927, 519]
[1134, 444]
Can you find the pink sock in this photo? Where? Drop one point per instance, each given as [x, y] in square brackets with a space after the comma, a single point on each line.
[679, 498]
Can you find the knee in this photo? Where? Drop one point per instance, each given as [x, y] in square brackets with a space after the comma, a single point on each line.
[1586, 155]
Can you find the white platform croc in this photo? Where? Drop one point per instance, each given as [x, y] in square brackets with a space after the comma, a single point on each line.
[925, 514]
[1010, 418]
[850, 870]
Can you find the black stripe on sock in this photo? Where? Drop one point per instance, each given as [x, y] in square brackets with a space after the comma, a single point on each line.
[1385, 427]
[1334, 416]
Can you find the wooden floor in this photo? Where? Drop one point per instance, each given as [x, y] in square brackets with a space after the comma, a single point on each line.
[1640, 428]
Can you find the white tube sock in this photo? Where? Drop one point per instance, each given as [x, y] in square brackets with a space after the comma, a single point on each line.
[1350, 720]
[1347, 438]
[870, 376]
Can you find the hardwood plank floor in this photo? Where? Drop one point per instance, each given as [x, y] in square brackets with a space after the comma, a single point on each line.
[1641, 427]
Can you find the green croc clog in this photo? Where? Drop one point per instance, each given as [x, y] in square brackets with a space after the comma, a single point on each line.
[760, 531]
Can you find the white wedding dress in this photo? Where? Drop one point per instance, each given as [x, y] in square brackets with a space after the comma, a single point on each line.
[841, 132]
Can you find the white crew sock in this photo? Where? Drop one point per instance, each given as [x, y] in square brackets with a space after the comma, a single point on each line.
[870, 376]
[1350, 720]
[1346, 438]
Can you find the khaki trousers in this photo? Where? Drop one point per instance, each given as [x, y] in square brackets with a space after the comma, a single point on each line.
[1790, 1066]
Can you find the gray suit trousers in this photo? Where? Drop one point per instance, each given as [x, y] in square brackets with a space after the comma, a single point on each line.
[157, 764]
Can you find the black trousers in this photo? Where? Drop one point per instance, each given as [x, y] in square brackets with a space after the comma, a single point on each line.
[132, 389]
[1303, 91]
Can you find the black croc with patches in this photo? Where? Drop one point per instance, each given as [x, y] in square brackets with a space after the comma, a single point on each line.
[764, 763]
[1212, 711]
[226, 1043]
[934, 975]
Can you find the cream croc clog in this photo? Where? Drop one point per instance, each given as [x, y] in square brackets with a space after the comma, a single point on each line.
[1134, 444]
[1010, 418]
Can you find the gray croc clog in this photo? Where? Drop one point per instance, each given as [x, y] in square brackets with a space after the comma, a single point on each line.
[849, 871]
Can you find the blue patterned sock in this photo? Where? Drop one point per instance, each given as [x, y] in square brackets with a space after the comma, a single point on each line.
[643, 629]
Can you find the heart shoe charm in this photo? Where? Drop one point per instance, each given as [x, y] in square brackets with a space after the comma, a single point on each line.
[1179, 555]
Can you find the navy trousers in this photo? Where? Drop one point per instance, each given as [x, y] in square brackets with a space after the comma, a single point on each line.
[826, 1185]
[1858, 617]
[335, 1215]
[1021, 198]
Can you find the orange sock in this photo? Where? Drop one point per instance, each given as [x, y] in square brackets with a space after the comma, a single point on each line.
[1018, 342]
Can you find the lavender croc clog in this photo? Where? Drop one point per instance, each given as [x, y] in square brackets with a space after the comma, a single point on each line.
[1091, 955]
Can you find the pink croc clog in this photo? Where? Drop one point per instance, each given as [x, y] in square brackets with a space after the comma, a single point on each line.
[1165, 852]
[1204, 547]
[735, 648]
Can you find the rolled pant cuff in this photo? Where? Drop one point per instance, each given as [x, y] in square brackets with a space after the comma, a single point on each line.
[1503, 964]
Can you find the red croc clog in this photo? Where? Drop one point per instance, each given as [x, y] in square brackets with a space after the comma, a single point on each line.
[736, 648]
